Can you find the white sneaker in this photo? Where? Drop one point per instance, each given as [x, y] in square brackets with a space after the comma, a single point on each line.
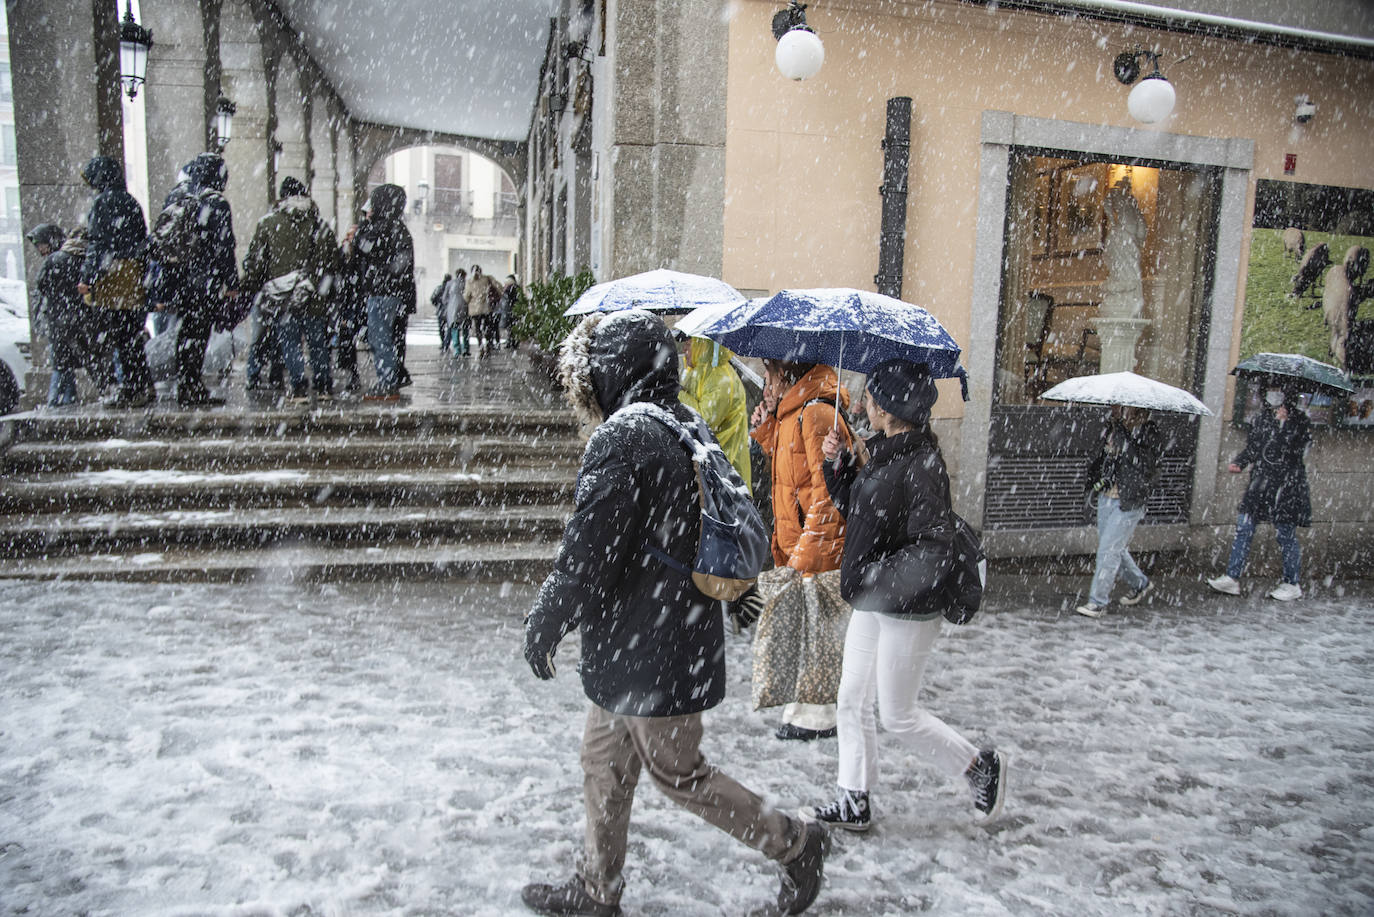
[1286, 592]
[1091, 609]
[1224, 584]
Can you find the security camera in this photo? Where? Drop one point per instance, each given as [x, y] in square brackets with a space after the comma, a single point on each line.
[1305, 110]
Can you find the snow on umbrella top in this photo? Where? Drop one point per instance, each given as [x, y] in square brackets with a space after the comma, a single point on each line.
[691, 324]
[658, 290]
[1128, 390]
[1296, 366]
[846, 328]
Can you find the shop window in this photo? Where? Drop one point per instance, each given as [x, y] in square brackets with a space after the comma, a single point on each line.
[1106, 268]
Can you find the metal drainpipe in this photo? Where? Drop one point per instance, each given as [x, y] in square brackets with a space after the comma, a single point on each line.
[896, 154]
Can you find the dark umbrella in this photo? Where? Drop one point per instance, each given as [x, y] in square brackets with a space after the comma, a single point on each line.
[1296, 366]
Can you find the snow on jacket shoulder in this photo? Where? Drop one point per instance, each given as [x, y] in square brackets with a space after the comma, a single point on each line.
[898, 545]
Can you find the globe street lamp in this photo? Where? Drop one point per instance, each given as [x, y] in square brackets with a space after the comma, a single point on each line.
[799, 53]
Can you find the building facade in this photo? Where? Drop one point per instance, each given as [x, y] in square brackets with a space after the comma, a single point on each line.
[1026, 179]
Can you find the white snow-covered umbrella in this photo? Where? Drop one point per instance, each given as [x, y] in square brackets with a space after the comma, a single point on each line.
[659, 290]
[1129, 390]
[691, 324]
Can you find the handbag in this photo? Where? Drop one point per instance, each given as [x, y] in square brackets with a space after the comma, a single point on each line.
[799, 641]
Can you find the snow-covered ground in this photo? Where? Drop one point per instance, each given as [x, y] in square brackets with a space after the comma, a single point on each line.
[279, 749]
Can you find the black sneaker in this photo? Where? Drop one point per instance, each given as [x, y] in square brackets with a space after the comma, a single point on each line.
[790, 733]
[570, 898]
[849, 811]
[988, 777]
[1137, 596]
[801, 878]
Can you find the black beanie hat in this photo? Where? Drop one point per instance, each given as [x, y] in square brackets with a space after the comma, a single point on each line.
[291, 187]
[905, 390]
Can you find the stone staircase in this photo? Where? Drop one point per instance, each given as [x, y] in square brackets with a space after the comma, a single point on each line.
[467, 491]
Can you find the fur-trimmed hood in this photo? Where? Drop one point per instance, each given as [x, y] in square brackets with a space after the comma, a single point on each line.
[613, 359]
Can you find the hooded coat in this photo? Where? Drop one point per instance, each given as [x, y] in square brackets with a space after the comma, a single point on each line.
[293, 237]
[808, 532]
[115, 227]
[1275, 452]
[899, 534]
[214, 264]
[479, 293]
[59, 299]
[652, 644]
[382, 257]
[713, 389]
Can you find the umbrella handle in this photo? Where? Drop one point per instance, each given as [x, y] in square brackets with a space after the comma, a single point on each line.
[839, 380]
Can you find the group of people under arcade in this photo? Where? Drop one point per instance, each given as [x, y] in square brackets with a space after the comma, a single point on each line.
[871, 514]
[307, 294]
[468, 304]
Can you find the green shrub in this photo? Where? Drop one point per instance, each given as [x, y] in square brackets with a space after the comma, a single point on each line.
[539, 316]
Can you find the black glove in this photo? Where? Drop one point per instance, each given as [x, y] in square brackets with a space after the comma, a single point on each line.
[539, 657]
[745, 610]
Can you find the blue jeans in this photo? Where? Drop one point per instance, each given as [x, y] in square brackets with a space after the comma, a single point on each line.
[1115, 526]
[62, 387]
[290, 327]
[381, 337]
[1288, 545]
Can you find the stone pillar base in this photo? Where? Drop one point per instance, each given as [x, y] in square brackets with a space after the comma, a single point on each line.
[1119, 337]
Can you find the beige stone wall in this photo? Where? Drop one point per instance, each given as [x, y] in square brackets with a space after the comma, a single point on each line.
[803, 161]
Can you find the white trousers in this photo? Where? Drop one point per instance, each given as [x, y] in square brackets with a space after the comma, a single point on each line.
[884, 661]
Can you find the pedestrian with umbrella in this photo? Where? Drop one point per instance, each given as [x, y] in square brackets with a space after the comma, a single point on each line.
[898, 554]
[1122, 474]
[1276, 452]
[802, 336]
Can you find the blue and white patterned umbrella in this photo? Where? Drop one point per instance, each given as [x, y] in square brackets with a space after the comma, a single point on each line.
[846, 328]
[659, 290]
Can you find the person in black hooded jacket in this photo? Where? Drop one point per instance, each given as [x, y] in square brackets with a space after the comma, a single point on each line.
[381, 256]
[652, 644]
[112, 276]
[210, 277]
[898, 551]
[60, 304]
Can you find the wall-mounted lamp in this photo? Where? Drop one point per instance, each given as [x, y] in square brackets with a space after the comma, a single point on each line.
[134, 43]
[224, 120]
[1305, 110]
[276, 156]
[799, 54]
[1152, 99]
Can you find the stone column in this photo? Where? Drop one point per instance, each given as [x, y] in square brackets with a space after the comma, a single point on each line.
[64, 69]
[175, 92]
[666, 114]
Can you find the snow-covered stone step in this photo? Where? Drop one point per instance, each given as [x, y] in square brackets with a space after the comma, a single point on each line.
[143, 532]
[399, 422]
[129, 489]
[322, 450]
[515, 562]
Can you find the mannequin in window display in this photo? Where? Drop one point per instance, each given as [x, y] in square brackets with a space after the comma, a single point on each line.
[1123, 296]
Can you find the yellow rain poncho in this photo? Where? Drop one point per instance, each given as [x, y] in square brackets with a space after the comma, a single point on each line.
[712, 388]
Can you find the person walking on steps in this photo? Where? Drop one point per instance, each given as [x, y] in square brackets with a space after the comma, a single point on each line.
[112, 278]
[456, 310]
[291, 266]
[894, 494]
[436, 300]
[1275, 452]
[482, 293]
[1123, 473]
[381, 256]
[653, 646]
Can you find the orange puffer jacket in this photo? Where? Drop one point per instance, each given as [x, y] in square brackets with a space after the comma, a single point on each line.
[808, 532]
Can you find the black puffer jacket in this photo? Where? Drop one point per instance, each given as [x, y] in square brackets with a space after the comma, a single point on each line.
[898, 530]
[382, 256]
[115, 227]
[214, 264]
[1275, 453]
[1129, 461]
[652, 645]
